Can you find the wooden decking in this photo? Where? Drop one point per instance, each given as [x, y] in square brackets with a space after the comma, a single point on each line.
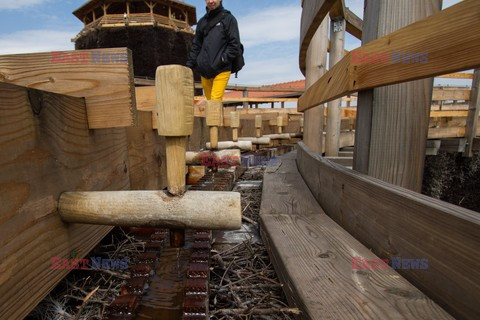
[312, 255]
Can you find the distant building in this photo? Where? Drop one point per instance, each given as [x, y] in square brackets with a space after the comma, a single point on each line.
[158, 32]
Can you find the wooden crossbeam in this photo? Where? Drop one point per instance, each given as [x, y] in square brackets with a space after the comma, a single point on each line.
[104, 77]
[426, 36]
[456, 76]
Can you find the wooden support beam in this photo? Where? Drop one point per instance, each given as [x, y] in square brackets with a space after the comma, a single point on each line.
[354, 24]
[313, 14]
[424, 36]
[261, 140]
[337, 40]
[397, 154]
[456, 76]
[194, 210]
[395, 222]
[473, 113]
[316, 66]
[104, 77]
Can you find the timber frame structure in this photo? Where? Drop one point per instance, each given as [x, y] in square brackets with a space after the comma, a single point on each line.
[318, 216]
[113, 13]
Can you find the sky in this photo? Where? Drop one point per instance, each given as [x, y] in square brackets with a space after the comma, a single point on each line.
[269, 30]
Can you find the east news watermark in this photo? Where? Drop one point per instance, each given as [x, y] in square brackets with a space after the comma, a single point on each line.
[95, 56]
[359, 263]
[389, 57]
[95, 263]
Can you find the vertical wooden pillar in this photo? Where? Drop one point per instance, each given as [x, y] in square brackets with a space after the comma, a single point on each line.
[316, 63]
[399, 114]
[128, 8]
[273, 105]
[245, 95]
[283, 105]
[334, 117]
[473, 113]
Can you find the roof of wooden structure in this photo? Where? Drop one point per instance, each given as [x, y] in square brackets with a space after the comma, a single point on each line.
[90, 5]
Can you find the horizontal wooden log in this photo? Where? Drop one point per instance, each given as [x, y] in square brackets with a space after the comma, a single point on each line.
[396, 222]
[427, 36]
[227, 157]
[262, 140]
[242, 145]
[104, 77]
[278, 136]
[193, 210]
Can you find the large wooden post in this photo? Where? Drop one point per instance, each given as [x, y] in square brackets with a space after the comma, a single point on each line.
[473, 112]
[315, 68]
[214, 120]
[399, 113]
[334, 116]
[174, 92]
[235, 124]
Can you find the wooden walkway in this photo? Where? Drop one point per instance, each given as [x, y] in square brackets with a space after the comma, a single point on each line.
[313, 258]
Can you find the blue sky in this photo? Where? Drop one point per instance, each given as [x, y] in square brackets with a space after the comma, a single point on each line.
[269, 30]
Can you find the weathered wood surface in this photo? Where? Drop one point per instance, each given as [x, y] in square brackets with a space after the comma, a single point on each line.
[312, 256]
[194, 210]
[428, 35]
[313, 13]
[46, 148]
[104, 77]
[316, 66]
[396, 222]
[400, 113]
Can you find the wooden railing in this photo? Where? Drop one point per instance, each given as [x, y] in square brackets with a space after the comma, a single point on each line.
[388, 219]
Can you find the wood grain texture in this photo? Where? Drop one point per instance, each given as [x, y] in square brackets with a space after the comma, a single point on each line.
[316, 66]
[312, 256]
[46, 148]
[313, 14]
[396, 222]
[461, 53]
[174, 94]
[104, 77]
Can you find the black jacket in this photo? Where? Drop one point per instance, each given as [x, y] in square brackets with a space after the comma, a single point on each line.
[213, 54]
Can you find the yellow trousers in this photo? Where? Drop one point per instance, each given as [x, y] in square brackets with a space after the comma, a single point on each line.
[215, 88]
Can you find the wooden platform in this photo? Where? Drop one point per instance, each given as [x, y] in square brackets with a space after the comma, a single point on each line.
[312, 256]
[396, 222]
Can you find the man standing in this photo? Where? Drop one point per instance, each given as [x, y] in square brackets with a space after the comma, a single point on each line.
[215, 46]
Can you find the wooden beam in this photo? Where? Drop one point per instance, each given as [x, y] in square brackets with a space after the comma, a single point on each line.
[473, 113]
[354, 24]
[47, 148]
[302, 240]
[104, 77]
[316, 66]
[446, 93]
[424, 36]
[456, 76]
[337, 40]
[313, 14]
[369, 209]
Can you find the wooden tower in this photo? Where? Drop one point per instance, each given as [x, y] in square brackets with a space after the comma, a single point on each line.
[158, 32]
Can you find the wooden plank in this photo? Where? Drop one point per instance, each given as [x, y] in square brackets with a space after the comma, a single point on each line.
[46, 148]
[446, 93]
[473, 113]
[459, 75]
[449, 132]
[461, 53]
[395, 222]
[104, 77]
[313, 258]
[313, 13]
[354, 24]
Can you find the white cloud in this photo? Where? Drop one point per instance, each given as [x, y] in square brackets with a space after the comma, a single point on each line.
[270, 25]
[36, 41]
[17, 4]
